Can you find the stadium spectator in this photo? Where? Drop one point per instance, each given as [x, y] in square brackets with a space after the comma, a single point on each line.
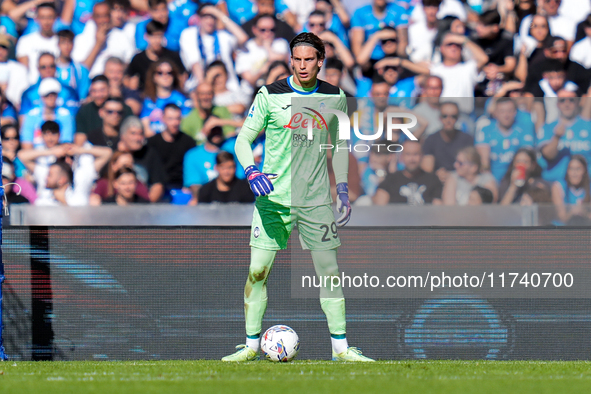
[440, 149]
[205, 116]
[411, 186]
[30, 46]
[278, 70]
[498, 142]
[333, 74]
[317, 24]
[115, 72]
[95, 45]
[10, 149]
[447, 9]
[162, 87]
[571, 194]
[523, 172]
[421, 35]
[49, 90]
[459, 78]
[9, 182]
[160, 13]
[467, 175]
[67, 97]
[104, 187]
[7, 110]
[199, 162]
[581, 51]
[449, 24]
[69, 72]
[212, 43]
[147, 163]
[370, 18]
[337, 18]
[560, 25]
[226, 188]
[497, 43]
[479, 196]
[124, 185]
[172, 145]
[88, 118]
[564, 137]
[111, 113]
[253, 62]
[532, 49]
[64, 187]
[155, 50]
[216, 74]
[428, 106]
[283, 27]
[13, 75]
[553, 80]
[380, 163]
[120, 10]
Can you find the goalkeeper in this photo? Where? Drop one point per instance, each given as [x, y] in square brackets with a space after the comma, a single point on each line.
[294, 189]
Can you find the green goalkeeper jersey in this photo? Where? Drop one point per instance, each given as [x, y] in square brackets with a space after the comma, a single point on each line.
[286, 111]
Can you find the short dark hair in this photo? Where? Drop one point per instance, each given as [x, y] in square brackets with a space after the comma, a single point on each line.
[377, 78]
[115, 99]
[155, 27]
[334, 63]
[216, 63]
[171, 106]
[317, 13]
[99, 78]
[66, 169]
[485, 195]
[66, 33]
[507, 100]
[7, 127]
[154, 3]
[431, 3]
[50, 126]
[258, 17]
[450, 103]
[553, 65]
[490, 18]
[309, 39]
[125, 4]
[223, 157]
[47, 5]
[123, 171]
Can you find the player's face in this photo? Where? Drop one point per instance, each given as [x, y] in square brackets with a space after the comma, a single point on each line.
[226, 171]
[125, 186]
[505, 114]
[575, 172]
[305, 64]
[568, 104]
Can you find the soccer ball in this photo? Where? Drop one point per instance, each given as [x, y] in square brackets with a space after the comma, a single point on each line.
[280, 344]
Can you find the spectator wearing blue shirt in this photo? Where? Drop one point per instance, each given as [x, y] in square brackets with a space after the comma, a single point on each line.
[248, 20]
[162, 87]
[199, 163]
[77, 12]
[337, 18]
[334, 45]
[159, 12]
[67, 97]
[373, 17]
[31, 136]
[569, 194]
[69, 72]
[562, 138]
[498, 142]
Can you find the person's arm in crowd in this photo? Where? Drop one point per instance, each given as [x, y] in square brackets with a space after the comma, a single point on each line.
[381, 197]
[195, 192]
[68, 11]
[449, 191]
[30, 156]
[562, 211]
[156, 192]
[402, 40]
[101, 39]
[338, 9]
[484, 151]
[363, 53]
[148, 129]
[101, 154]
[492, 70]
[18, 12]
[357, 35]
[396, 61]
[502, 92]
[291, 20]
[506, 9]
[511, 192]
[478, 53]
[341, 50]
[550, 149]
[136, 106]
[521, 69]
[140, 5]
[228, 24]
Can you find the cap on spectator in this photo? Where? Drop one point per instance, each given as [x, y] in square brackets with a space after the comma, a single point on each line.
[49, 85]
[550, 42]
[4, 41]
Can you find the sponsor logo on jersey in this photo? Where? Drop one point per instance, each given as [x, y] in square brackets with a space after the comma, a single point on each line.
[251, 112]
[301, 141]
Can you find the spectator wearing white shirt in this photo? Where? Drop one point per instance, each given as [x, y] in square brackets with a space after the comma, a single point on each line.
[120, 18]
[13, 75]
[93, 47]
[581, 51]
[421, 34]
[560, 25]
[201, 45]
[30, 46]
[446, 8]
[253, 63]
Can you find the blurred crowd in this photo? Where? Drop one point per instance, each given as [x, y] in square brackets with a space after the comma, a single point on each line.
[140, 101]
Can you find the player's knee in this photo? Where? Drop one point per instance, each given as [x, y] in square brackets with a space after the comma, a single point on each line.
[258, 273]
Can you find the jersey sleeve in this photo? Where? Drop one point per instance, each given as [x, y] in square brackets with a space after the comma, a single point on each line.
[256, 120]
[357, 19]
[340, 152]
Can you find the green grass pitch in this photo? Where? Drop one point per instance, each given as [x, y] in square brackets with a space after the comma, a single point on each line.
[307, 377]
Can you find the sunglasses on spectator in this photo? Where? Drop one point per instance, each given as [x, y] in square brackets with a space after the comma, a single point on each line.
[387, 40]
[45, 67]
[539, 26]
[163, 73]
[10, 138]
[445, 116]
[112, 111]
[267, 30]
[452, 44]
[317, 24]
[567, 99]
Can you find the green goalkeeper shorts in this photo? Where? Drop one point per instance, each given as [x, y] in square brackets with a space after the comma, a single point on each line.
[272, 224]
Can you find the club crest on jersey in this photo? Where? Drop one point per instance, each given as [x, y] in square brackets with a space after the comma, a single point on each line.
[256, 232]
[251, 112]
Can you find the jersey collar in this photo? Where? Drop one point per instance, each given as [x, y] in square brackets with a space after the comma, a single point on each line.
[300, 89]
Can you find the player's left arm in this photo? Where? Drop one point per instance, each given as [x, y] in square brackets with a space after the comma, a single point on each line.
[340, 165]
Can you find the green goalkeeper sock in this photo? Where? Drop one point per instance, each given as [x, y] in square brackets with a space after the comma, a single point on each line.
[255, 290]
[331, 300]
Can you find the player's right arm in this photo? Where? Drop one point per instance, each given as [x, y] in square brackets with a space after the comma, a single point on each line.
[256, 120]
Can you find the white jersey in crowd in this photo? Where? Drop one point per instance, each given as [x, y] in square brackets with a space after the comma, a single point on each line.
[31, 46]
[14, 80]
